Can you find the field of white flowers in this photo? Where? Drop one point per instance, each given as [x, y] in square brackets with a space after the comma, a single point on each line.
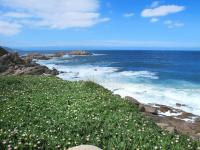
[48, 113]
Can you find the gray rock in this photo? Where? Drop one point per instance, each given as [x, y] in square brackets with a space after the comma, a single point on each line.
[84, 147]
[180, 105]
[141, 108]
[167, 127]
[151, 110]
[11, 63]
[162, 125]
[11, 59]
[171, 129]
[37, 56]
[148, 109]
[79, 52]
[35, 70]
[132, 100]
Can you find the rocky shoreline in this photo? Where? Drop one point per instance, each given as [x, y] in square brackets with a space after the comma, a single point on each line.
[178, 121]
[12, 64]
[39, 56]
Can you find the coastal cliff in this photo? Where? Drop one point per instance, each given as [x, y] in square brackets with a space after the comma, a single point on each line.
[13, 64]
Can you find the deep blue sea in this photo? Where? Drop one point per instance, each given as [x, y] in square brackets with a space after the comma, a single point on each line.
[162, 77]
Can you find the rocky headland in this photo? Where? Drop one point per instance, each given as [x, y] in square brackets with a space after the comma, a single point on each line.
[39, 56]
[12, 64]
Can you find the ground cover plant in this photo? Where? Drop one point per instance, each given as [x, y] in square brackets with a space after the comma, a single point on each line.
[49, 113]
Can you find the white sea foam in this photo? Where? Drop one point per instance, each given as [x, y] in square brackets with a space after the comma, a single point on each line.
[94, 54]
[168, 113]
[144, 74]
[126, 84]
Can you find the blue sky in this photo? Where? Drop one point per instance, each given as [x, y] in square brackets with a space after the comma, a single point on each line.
[100, 24]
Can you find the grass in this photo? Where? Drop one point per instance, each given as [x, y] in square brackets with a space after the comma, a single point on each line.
[48, 113]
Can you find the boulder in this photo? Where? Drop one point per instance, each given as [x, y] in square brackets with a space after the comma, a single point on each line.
[148, 109]
[151, 110]
[84, 147]
[180, 105]
[165, 109]
[132, 100]
[141, 108]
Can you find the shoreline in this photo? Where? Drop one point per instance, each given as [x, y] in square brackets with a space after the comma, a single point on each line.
[180, 122]
[168, 118]
[79, 109]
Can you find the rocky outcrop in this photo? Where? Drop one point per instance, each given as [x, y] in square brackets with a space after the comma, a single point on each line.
[35, 70]
[59, 54]
[3, 51]
[148, 109]
[132, 100]
[79, 53]
[178, 122]
[11, 63]
[167, 127]
[38, 56]
[11, 59]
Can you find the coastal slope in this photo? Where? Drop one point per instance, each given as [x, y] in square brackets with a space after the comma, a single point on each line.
[45, 112]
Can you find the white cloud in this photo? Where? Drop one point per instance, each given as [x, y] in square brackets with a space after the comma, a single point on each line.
[162, 11]
[128, 15]
[153, 20]
[59, 14]
[16, 15]
[173, 24]
[9, 28]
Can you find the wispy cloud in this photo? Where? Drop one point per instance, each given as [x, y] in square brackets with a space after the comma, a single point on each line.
[52, 13]
[128, 15]
[153, 20]
[16, 15]
[162, 11]
[8, 28]
[173, 24]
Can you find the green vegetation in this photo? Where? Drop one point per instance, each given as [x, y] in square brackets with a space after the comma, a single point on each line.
[48, 113]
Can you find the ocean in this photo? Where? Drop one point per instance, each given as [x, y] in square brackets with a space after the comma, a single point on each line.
[155, 77]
